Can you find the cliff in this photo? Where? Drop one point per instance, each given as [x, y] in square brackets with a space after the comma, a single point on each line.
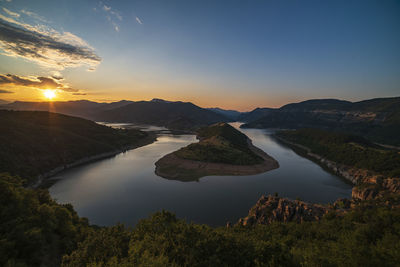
[269, 209]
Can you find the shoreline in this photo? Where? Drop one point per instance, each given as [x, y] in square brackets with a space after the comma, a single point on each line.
[172, 167]
[45, 177]
[366, 184]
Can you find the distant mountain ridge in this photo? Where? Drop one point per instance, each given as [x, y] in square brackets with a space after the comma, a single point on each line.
[254, 114]
[174, 115]
[233, 114]
[80, 108]
[377, 119]
[171, 114]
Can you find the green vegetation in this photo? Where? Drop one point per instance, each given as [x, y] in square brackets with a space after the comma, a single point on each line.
[220, 143]
[36, 231]
[347, 149]
[35, 142]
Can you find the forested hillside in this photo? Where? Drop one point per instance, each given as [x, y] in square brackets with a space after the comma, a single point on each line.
[35, 142]
[376, 119]
[347, 149]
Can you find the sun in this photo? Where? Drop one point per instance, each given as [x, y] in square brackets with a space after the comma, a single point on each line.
[49, 94]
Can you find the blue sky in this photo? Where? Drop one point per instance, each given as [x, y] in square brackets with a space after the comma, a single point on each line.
[232, 54]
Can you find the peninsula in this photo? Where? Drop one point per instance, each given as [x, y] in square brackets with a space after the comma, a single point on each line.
[221, 150]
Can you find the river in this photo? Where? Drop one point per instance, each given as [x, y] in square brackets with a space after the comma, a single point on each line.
[125, 188]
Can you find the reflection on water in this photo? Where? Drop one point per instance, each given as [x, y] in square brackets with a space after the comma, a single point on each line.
[125, 189]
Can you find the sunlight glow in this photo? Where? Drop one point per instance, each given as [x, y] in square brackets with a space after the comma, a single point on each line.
[49, 94]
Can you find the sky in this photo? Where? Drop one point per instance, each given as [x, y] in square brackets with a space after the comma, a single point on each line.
[229, 54]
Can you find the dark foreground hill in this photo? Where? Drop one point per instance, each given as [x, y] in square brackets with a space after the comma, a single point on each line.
[376, 119]
[36, 231]
[222, 150]
[36, 142]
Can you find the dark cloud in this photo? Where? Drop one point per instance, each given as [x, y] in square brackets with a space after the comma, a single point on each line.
[47, 48]
[79, 94]
[5, 92]
[37, 82]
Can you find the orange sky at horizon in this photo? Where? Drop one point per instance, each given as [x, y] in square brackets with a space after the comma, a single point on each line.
[234, 102]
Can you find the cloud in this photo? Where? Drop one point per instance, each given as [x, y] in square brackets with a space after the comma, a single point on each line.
[56, 75]
[33, 15]
[79, 94]
[9, 12]
[139, 21]
[45, 46]
[111, 15]
[5, 92]
[35, 82]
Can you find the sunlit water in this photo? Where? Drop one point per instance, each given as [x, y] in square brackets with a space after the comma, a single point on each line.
[125, 189]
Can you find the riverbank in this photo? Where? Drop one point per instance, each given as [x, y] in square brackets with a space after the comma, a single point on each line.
[367, 185]
[173, 167]
[44, 180]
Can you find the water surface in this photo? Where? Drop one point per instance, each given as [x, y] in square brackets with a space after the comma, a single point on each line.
[125, 189]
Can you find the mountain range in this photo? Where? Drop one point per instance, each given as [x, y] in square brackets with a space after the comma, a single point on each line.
[376, 119]
[171, 114]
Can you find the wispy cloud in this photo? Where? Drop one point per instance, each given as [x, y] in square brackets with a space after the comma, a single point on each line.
[5, 92]
[112, 15]
[79, 94]
[11, 13]
[45, 45]
[139, 21]
[33, 15]
[38, 82]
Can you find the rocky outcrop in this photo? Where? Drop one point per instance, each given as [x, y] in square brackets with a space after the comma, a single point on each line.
[269, 209]
[375, 187]
[275, 209]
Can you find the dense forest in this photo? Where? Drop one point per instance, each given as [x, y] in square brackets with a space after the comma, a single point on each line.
[36, 231]
[35, 142]
[347, 149]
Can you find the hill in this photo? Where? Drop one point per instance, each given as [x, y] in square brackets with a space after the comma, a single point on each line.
[36, 142]
[232, 114]
[254, 114]
[80, 108]
[173, 115]
[347, 149]
[3, 102]
[222, 150]
[376, 119]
